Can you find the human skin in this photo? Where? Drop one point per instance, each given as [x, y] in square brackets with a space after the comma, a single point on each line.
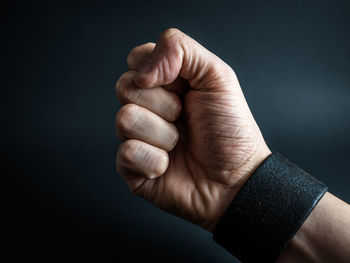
[190, 146]
[324, 236]
[189, 140]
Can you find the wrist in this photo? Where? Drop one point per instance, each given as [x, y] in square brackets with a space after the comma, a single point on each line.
[254, 161]
[268, 210]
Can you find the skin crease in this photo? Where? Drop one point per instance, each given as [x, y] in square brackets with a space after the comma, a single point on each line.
[189, 143]
[219, 144]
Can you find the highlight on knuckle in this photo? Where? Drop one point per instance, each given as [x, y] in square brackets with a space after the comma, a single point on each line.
[127, 117]
[170, 34]
[149, 45]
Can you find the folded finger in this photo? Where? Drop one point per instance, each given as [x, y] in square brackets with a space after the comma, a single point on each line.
[135, 122]
[160, 101]
[138, 55]
[136, 158]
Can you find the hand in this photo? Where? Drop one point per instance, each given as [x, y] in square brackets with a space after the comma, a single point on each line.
[189, 139]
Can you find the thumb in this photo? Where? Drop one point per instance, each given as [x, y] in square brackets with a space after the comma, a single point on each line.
[176, 54]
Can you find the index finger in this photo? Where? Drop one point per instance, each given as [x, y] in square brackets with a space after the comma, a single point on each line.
[138, 55]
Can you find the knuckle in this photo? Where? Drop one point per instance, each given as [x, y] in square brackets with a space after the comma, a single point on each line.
[128, 151]
[127, 117]
[138, 54]
[130, 94]
[133, 52]
[170, 34]
[122, 82]
[149, 45]
[125, 91]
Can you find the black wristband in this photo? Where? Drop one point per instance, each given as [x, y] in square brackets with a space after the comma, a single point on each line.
[268, 210]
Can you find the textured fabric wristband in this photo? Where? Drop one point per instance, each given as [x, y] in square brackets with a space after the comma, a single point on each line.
[268, 210]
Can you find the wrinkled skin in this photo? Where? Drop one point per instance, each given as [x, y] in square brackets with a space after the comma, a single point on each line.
[218, 146]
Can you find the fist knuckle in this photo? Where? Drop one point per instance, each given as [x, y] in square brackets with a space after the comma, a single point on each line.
[133, 52]
[126, 91]
[150, 45]
[171, 34]
[132, 94]
[128, 94]
[126, 118]
[128, 151]
[122, 83]
[139, 52]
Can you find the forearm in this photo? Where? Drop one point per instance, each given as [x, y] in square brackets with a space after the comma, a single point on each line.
[324, 236]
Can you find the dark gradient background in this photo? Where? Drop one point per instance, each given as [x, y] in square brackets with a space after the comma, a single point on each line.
[63, 199]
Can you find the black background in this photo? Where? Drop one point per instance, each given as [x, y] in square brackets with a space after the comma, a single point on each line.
[63, 199]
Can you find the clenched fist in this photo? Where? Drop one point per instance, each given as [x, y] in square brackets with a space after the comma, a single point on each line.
[189, 140]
